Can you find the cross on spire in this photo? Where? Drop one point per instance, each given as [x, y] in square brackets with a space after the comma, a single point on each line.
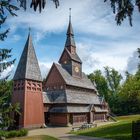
[29, 29]
[69, 14]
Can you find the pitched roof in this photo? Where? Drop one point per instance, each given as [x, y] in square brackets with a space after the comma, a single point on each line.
[70, 96]
[83, 97]
[99, 109]
[74, 57]
[83, 82]
[54, 97]
[28, 67]
[69, 109]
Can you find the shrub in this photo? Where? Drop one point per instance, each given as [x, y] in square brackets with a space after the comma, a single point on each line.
[14, 133]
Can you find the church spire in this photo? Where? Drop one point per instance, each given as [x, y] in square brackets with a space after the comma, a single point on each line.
[28, 67]
[70, 42]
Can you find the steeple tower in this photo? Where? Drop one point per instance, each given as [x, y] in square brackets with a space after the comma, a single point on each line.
[27, 89]
[70, 42]
[28, 67]
[69, 58]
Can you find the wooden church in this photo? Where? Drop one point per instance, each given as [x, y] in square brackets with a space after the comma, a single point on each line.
[67, 97]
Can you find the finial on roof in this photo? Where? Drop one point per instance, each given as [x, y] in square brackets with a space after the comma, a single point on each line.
[29, 29]
[69, 14]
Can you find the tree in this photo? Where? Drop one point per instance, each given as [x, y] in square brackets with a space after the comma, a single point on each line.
[122, 8]
[113, 79]
[101, 83]
[37, 3]
[6, 108]
[5, 91]
[5, 104]
[139, 57]
[129, 95]
[114, 85]
[6, 8]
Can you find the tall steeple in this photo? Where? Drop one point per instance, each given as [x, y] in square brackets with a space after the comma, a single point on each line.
[69, 59]
[28, 67]
[27, 89]
[70, 42]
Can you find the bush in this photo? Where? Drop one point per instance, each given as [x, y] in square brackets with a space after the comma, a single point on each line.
[13, 133]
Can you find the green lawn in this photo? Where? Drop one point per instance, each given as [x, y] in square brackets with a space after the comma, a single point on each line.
[120, 130]
[41, 137]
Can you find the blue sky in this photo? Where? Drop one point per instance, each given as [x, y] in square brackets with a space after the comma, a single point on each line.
[100, 42]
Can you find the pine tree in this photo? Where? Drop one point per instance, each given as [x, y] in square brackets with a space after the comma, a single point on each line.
[6, 8]
[122, 8]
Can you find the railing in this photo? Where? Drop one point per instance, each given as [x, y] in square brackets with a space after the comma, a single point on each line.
[84, 126]
[112, 117]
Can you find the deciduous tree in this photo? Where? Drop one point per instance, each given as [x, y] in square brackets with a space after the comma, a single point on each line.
[101, 83]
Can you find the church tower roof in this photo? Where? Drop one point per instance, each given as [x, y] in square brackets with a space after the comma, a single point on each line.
[70, 35]
[28, 67]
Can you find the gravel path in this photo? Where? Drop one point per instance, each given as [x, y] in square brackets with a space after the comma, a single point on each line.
[60, 133]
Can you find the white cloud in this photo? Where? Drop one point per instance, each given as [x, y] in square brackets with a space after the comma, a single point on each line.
[108, 44]
[45, 67]
[16, 37]
[133, 62]
[111, 54]
[7, 72]
[87, 17]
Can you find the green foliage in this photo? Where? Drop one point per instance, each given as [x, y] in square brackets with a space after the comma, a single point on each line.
[130, 95]
[4, 55]
[5, 104]
[14, 133]
[108, 86]
[6, 8]
[37, 4]
[101, 83]
[120, 130]
[123, 98]
[124, 9]
[113, 79]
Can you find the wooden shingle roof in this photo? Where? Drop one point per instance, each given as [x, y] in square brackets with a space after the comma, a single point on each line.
[83, 82]
[28, 67]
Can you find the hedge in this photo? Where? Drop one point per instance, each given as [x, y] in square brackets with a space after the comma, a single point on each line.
[13, 133]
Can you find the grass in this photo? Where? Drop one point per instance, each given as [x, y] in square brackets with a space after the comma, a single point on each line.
[120, 130]
[40, 137]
